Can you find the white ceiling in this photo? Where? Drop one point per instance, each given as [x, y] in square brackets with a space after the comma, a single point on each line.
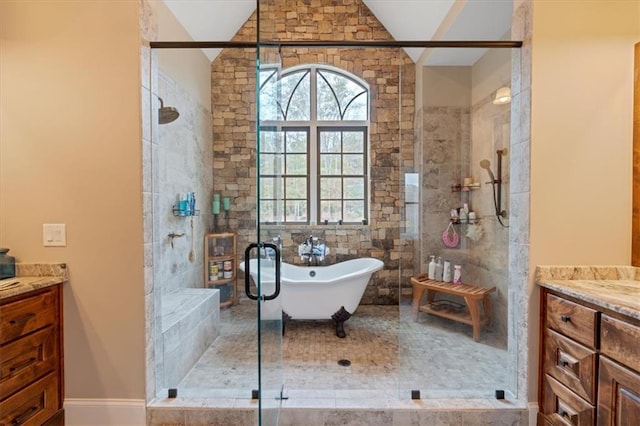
[219, 20]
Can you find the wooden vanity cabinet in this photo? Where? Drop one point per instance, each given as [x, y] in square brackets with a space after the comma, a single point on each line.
[590, 365]
[31, 360]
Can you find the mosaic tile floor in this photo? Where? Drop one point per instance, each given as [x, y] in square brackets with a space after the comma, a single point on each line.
[390, 355]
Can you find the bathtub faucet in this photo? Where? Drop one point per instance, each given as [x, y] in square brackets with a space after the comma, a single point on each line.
[312, 249]
[278, 241]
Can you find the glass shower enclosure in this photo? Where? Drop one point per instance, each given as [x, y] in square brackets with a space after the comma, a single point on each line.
[359, 149]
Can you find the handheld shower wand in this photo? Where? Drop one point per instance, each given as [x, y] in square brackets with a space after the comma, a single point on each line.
[486, 164]
[497, 193]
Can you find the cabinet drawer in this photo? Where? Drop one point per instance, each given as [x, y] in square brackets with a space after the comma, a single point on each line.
[619, 340]
[24, 316]
[571, 363]
[26, 359]
[562, 407]
[571, 319]
[33, 405]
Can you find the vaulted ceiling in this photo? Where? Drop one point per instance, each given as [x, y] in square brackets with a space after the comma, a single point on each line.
[219, 20]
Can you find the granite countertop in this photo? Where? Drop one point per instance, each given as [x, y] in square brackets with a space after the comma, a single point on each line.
[31, 276]
[616, 288]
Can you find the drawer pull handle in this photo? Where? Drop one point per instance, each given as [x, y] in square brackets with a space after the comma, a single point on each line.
[563, 363]
[565, 318]
[564, 414]
[18, 420]
[22, 319]
[21, 365]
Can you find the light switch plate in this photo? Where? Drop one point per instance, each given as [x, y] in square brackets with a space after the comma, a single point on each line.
[54, 235]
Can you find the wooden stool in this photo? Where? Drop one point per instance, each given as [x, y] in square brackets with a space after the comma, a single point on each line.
[472, 294]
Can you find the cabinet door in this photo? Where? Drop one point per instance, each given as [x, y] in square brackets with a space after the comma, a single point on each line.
[618, 395]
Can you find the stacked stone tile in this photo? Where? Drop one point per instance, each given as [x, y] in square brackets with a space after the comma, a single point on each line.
[391, 76]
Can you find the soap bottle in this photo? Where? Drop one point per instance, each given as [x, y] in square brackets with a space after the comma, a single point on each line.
[446, 272]
[464, 216]
[432, 268]
[439, 269]
[457, 274]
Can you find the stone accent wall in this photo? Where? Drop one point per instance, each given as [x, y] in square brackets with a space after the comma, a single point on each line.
[391, 76]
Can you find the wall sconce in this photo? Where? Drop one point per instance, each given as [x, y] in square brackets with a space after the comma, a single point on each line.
[503, 96]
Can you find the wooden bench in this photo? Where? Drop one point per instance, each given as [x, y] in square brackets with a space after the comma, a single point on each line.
[472, 294]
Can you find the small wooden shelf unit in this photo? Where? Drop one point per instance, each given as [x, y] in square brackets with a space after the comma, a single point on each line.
[220, 250]
[473, 295]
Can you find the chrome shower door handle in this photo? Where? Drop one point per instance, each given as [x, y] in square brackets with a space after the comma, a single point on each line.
[247, 272]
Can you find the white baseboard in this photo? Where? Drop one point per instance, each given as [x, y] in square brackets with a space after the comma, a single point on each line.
[104, 412]
[533, 413]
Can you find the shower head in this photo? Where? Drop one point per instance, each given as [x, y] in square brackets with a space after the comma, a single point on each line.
[486, 164]
[166, 114]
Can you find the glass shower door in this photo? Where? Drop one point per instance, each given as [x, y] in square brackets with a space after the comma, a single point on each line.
[269, 199]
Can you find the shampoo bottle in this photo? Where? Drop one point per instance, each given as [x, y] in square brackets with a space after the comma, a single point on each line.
[439, 269]
[446, 273]
[432, 268]
[457, 274]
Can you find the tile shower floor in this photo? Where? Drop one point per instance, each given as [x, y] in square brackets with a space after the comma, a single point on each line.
[390, 355]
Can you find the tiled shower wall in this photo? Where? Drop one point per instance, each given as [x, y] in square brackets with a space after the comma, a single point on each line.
[454, 141]
[182, 162]
[445, 150]
[390, 74]
[488, 259]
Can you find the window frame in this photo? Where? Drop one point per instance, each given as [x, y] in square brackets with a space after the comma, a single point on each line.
[342, 176]
[284, 175]
[313, 127]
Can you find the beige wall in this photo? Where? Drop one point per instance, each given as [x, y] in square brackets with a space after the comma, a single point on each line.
[582, 131]
[581, 136]
[71, 153]
[446, 86]
[490, 72]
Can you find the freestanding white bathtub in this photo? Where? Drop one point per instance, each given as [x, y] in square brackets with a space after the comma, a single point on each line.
[315, 292]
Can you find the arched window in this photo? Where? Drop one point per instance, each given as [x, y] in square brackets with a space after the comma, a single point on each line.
[314, 123]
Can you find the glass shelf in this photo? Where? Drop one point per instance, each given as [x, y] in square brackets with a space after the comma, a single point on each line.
[178, 212]
[465, 188]
[465, 222]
